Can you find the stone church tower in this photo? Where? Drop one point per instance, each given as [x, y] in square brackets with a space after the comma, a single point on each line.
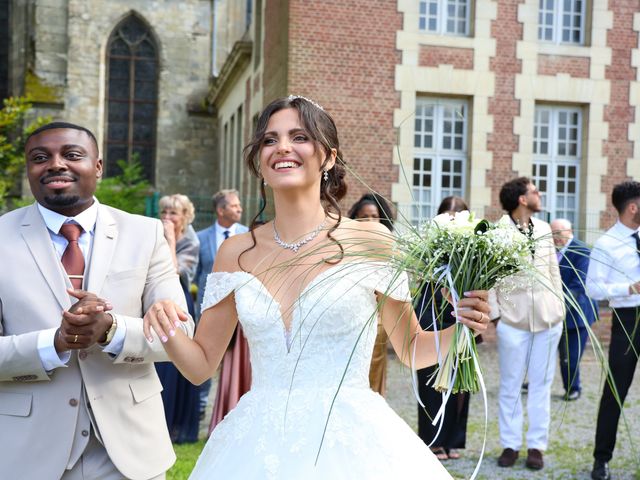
[136, 72]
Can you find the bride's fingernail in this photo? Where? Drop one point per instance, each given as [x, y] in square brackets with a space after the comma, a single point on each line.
[172, 333]
[150, 339]
[177, 324]
[164, 339]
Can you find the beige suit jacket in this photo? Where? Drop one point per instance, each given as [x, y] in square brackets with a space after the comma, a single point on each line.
[130, 266]
[533, 302]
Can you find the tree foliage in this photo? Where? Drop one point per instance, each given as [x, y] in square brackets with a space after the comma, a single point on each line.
[127, 190]
[14, 130]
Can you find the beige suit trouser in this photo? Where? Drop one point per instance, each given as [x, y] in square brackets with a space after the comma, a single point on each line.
[95, 464]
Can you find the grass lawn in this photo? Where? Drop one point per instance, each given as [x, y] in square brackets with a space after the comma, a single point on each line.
[187, 455]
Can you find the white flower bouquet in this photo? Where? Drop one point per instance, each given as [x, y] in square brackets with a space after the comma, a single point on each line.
[461, 253]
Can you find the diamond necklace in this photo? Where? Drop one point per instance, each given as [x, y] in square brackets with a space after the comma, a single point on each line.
[296, 246]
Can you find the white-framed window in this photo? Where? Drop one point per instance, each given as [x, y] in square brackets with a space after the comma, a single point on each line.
[446, 17]
[562, 21]
[557, 150]
[440, 154]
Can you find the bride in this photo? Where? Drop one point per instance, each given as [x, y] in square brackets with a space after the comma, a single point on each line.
[307, 288]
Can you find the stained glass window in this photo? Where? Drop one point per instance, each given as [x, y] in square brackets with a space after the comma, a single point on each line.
[132, 96]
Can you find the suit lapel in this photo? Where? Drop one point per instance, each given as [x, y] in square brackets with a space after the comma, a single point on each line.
[104, 244]
[36, 236]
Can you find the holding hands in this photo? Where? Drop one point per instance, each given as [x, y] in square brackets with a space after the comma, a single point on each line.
[163, 317]
[85, 323]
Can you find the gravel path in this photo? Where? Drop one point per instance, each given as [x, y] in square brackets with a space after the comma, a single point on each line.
[572, 426]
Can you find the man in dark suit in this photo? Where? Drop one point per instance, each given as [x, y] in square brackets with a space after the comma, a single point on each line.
[573, 258]
[228, 209]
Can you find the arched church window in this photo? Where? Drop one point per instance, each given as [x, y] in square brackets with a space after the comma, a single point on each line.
[4, 49]
[132, 96]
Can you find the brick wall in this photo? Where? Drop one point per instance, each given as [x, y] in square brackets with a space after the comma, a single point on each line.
[343, 55]
[619, 113]
[432, 56]
[503, 143]
[554, 64]
[275, 50]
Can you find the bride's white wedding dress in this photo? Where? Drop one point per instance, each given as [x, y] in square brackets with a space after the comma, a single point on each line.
[310, 413]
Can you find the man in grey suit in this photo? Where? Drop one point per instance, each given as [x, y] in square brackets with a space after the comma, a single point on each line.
[228, 209]
[79, 397]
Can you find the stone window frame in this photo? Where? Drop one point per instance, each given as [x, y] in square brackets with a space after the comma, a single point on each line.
[557, 159]
[440, 22]
[551, 18]
[441, 154]
[132, 98]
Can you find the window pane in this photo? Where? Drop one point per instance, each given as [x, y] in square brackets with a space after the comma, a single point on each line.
[131, 88]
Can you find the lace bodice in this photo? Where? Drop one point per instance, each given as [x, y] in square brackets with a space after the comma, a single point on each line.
[333, 324]
[310, 412]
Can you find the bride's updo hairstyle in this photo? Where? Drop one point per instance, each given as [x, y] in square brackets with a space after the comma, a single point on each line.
[322, 130]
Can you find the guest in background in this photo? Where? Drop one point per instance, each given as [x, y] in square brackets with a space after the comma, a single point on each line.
[180, 397]
[530, 313]
[573, 258]
[614, 275]
[228, 208]
[453, 434]
[372, 207]
[235, 373]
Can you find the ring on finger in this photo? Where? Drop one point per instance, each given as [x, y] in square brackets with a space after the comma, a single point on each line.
[75, 338]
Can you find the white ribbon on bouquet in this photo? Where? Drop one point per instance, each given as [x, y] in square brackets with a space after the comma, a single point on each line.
[444, 273]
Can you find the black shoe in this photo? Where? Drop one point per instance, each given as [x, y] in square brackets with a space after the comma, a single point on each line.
[572, 395]
[525, 387]
[600, 471]
[508, 457]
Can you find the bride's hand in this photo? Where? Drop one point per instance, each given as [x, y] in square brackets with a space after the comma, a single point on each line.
[473, 309]
[163, 317]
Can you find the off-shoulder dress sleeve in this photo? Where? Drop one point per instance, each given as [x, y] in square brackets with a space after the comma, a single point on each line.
[391, 282]
[219, 286]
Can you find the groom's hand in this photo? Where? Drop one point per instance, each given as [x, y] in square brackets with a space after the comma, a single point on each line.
[85, 323]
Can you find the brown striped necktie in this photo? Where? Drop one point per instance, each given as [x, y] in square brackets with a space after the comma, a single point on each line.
[72, 258]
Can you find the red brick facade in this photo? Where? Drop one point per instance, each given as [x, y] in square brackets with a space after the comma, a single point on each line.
[619, 113]
[577, 67]
[504, 107]
[431, 56]
[343, 55]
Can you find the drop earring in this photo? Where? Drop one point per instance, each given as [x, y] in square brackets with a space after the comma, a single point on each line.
[326, 176]
[265, 182]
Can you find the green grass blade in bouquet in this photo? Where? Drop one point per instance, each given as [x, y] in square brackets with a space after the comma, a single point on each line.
[460, 254]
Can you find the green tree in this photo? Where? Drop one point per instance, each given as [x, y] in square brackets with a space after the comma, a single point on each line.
[14, 130]
[126, 191]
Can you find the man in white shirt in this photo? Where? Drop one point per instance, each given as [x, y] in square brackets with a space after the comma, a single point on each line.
[614, 275]
[228, 208]
[79, 396]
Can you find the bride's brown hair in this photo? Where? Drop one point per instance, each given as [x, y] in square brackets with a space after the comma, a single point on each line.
[322, 130]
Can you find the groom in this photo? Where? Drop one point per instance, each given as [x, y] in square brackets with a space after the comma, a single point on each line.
[79, 397]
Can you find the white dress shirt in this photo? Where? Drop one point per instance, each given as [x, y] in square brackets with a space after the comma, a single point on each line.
[54, 221]
[614, 265]
[220, 233]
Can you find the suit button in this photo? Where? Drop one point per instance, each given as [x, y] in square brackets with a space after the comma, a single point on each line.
[85, 433]
[82, 355]
[73, 402]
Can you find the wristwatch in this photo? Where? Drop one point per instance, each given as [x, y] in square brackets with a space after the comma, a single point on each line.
[112, 329]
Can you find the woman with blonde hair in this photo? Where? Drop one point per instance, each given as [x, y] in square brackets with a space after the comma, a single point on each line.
[180, 397]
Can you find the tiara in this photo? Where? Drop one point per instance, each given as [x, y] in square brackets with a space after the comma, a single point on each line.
[293, 97]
